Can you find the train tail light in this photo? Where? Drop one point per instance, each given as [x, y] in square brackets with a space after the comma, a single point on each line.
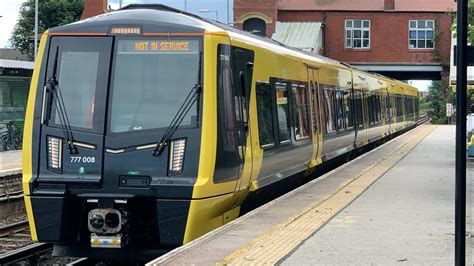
[55, 154]
[176, 157]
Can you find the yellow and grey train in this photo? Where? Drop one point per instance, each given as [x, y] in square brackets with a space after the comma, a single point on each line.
[148, 127]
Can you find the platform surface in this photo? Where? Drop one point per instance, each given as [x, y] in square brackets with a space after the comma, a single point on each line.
[392, 205]
[10, 160]
[406, 216]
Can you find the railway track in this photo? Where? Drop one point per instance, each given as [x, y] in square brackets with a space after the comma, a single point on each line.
[11, 194]
[15, 244]
[31, 253]
[14, 236]
[14, 228]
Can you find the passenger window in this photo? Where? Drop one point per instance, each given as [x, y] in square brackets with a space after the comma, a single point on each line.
[265, 117]
[315, 112]
[339, 111]
[358, 108]
[370, 105]
[379, 107]
[348, 105]
[329, 110]
[399, 108]
[388, 108]
[282, 112]
[300, 111]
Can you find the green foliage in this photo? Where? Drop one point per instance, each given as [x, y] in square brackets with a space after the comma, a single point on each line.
[436, 101]
[470, 27]
[51, 13]
[424, 103]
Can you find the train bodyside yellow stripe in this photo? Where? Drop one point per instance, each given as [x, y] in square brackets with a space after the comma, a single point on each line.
[28, 137]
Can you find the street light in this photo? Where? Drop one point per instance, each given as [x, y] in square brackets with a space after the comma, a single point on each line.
[36, 28]
[210, 11]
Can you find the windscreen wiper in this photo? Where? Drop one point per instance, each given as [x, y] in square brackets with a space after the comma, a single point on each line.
[57, 99]
[183, 110]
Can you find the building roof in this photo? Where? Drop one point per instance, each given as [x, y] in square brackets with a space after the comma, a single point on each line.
[4, 63]
[301, 35]
[12, 54]
[368, 5]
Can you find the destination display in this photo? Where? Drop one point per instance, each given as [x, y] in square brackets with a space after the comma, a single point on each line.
[158, 46]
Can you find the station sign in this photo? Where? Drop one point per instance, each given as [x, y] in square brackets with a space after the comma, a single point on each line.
[449, 110]
[470, 55]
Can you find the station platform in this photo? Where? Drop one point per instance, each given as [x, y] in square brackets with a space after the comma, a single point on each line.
[10, 161]
[394, 204]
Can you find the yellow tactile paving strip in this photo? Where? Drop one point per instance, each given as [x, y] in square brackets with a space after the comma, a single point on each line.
[284, 237]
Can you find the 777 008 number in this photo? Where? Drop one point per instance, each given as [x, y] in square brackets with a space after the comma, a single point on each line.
[79, 159]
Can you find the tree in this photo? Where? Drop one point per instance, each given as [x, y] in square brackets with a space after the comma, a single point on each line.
[51, 13]
[437, 103]
[470, 22]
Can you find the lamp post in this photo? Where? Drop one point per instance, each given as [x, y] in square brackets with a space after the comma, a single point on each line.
[461, 95]
[36, 28]
[210, 11]
[228, 21]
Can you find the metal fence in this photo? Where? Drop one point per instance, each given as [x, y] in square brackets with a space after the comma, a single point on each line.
[14, 88]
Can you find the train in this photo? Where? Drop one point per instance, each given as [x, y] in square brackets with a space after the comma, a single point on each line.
[148, 127]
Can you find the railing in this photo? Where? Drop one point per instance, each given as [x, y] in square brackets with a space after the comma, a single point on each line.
[11, 135]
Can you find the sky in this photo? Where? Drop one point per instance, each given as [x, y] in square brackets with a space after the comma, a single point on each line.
[193, 6]
[9, 11]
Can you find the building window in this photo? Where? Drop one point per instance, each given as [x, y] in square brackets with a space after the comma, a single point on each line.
[357, 33]
[256, 26]
[421, 34]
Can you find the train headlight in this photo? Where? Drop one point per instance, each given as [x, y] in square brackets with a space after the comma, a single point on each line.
[112, 220]
[176, 157]
[97, 221]
[104, 221]
[55, 154]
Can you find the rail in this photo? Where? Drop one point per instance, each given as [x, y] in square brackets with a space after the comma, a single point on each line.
[30, 252]
[83, 261]
[423, 119]
[13, 228]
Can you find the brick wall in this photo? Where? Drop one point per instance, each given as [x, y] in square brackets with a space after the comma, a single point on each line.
[94, 8]
[388, 36]
[267, 8]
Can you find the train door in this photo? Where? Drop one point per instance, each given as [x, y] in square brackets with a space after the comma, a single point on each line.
[242, 72]
[316, 129]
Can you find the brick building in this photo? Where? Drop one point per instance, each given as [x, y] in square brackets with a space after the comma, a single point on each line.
[94, 8]
[404, 39]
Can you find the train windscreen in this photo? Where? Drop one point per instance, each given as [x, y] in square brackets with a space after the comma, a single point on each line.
[151, 79]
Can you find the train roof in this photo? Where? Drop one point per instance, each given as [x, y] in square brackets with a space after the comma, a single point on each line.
[153, 18]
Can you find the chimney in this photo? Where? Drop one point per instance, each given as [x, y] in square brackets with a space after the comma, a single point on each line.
[94, 8]
[389, 5]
